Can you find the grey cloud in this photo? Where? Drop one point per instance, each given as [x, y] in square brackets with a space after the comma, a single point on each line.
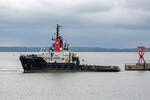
[105, 21]
[138, 4]
[93, 7]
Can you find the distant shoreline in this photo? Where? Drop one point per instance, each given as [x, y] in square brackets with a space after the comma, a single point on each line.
[74, 49]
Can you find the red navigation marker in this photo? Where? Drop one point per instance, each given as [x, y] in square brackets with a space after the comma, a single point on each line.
[141, 51]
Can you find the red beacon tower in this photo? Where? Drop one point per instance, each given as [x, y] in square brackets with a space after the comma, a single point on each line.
[141, 51]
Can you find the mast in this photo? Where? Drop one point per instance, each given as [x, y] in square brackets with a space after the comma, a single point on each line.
[57, 30]
[58, 40]
[58, 45]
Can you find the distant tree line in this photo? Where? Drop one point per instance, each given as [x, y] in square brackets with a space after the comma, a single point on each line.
[74, 49]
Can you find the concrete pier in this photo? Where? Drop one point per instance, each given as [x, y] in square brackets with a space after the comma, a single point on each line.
[137, 66]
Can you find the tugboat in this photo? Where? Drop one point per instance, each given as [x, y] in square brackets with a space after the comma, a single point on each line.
[59, 59]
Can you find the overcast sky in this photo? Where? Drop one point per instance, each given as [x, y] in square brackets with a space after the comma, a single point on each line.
[94, 23]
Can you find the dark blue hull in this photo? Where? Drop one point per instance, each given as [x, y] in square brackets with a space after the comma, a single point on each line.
[38, 64]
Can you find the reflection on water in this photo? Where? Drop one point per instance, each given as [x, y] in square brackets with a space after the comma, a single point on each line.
[125, 85]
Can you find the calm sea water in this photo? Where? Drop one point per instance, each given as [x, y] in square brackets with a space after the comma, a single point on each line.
[124, 85]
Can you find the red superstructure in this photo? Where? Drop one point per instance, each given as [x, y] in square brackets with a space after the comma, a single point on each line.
[58, 45]
[141, 51]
